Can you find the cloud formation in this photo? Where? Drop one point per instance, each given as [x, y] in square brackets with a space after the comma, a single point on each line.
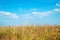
[58, 4]
[27, 16]
[46, 13]
[8, 14]
[40, 14]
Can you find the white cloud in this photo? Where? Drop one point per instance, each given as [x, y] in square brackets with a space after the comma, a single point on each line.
[58, 4]
[40, 13]
[34, 14]
[46, 13]
[28, 15]
[8, 14]
[57, 10]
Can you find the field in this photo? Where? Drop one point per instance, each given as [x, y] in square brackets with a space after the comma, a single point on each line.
[30, 32]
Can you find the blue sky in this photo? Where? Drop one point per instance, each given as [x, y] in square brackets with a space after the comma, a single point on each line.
[28, 12]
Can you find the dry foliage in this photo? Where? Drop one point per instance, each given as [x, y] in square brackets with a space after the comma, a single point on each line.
[30, 33]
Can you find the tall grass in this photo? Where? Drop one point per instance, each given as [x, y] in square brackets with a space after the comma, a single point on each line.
[30, 33]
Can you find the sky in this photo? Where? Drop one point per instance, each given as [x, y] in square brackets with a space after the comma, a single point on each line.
[29, 12]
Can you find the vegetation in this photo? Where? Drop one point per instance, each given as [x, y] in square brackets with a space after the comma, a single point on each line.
[30, 33]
